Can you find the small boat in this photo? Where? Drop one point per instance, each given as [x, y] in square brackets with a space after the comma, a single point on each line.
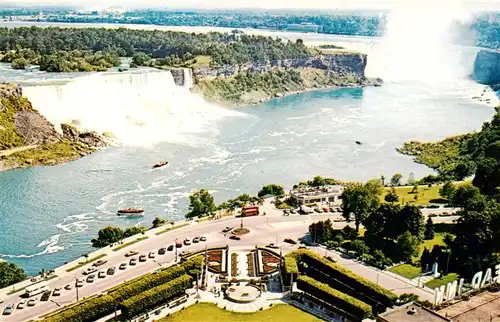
[160, 164]
[131, 212]
[359, 142]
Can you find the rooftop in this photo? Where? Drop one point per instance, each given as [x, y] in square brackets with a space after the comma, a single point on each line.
[411, 312]
[482, 307]
[317, 191]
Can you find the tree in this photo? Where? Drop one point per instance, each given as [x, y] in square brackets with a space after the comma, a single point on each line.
[446, 191]
[201, 204]
[140, 59]
[359, 247]
[407, 246]
[425, 260]
[360, 200]
[429, 229]
[396, 179]
[272, 189]
[391, 196]
[378, 225]
[133, 231]
[411, 220]
[157, 222]
[107, 236]
[10, 274]
[468, 197]
[20, 63]
[321, 231]
[318, 181]
[382, 179]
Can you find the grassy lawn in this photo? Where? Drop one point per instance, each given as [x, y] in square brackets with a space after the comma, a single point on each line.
[171, 228]
[129, 243]
[90, 260]
[210, 313]
[201, 62]
[406, 270]
[441, 280]
[425, 194]
[429, 244]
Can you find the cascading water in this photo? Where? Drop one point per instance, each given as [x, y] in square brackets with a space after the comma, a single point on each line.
[418, 44]
[139, 108]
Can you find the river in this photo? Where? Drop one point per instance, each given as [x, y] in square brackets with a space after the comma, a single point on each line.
[49, 214]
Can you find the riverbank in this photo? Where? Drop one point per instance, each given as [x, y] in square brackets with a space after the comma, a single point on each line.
[28, 139]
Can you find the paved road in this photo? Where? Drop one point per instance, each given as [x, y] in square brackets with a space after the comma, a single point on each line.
[264, 230]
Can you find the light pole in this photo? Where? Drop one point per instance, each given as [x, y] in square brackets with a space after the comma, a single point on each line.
[76, 289]
[175, 246]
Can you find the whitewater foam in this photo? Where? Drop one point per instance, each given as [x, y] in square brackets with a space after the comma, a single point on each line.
[140, 108]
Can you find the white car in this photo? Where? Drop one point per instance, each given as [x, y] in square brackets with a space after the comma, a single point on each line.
[57, 291]
[32, 302]
[21, 304]
[152, 254]
[79, 282]
[90, 270]
[102, 274]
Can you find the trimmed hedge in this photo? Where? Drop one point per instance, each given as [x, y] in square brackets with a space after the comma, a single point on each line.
[88, 311]
[290, 264]
[148, 282]
[347, 277]
[96, 308]
[333, 297]
[155, 296]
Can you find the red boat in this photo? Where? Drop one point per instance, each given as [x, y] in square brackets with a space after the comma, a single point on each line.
[131, 212]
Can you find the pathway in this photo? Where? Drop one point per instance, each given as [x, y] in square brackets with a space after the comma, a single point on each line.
[18, 149]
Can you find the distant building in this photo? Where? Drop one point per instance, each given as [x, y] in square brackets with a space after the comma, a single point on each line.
[305, 26]
[306, 195]
[411, 312]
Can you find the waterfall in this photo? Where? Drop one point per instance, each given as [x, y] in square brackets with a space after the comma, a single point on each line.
[418, 44]
[188, 78]
[139, 108]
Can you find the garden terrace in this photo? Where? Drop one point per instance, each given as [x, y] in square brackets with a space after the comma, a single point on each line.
[251, 264]
[349, 305]
[267, 261]
[234, 264]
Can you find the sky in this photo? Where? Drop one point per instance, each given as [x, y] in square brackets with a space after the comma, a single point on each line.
[475, 5]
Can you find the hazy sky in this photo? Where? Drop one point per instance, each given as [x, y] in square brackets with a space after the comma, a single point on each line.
[286, 4]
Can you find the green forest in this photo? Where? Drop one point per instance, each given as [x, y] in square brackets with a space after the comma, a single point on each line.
[86, 49]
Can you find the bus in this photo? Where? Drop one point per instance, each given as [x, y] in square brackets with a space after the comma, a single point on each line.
[37, 288]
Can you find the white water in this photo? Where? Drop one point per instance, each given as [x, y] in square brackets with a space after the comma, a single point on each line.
[417, 44]
[139, 108]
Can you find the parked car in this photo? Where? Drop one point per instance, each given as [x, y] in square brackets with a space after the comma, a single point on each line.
[293, 211]
[132, 261]
[123, 265]
[21, 304]
[32, 302]
[178, 244]
[227, 229]
[131, 253]
[171, 248]
[91, 278]
[111, 271]
[162, 251]
[235, 237]
[143, 258]
[68, 287]
[57, 291]
[45, 296]
[196, 239]
[187, 242]
[90, 270]
[102, 274]
[272, 245]
[100, 263]
[290, 241]
[152, 254]
[8, 309]
[203, 238]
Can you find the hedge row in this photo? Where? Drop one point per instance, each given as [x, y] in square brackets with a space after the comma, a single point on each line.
[89, 311]
[155, 296]
[146, 283]
[96, 308]
[333, 297]
[347, 277]
[290, 263]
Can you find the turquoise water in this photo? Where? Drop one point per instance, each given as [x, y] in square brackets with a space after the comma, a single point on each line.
[49, 214]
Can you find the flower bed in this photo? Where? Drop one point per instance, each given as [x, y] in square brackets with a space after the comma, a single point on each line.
[214, 260]
[234, 264]
[270, 262]
[250, 264]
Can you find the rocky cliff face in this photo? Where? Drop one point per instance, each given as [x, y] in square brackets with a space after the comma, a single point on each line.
[341, 64]
[487, 68]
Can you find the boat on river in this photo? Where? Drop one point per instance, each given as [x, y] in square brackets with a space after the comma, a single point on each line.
[131, 212]
[160, 164]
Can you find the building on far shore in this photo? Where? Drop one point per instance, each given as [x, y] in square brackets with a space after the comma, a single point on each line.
[411, 312]
[306, 195]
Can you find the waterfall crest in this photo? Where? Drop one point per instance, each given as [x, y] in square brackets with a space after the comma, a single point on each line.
[140, 108]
